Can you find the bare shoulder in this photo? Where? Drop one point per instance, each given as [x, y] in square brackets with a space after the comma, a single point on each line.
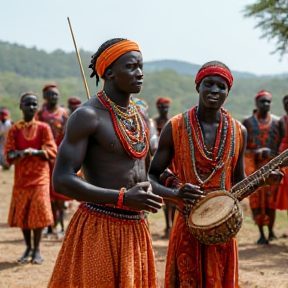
[85, 119]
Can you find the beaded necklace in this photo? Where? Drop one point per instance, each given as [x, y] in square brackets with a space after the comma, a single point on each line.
[129, 126]
[29, 129]
[220, 153]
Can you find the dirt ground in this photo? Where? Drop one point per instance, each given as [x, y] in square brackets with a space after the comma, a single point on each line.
[259, 267]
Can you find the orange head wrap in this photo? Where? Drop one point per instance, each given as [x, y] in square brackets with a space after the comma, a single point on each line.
[49, 86]
[112, 53]
[263, 93]
[163, 100]
[214, 70]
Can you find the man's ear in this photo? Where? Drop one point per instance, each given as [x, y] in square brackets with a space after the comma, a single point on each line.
[197, 88]
[109, 74]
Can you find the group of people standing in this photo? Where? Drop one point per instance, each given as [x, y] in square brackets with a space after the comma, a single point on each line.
[108, 243]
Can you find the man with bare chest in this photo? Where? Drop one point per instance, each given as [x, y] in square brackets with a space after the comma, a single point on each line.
[107, 243]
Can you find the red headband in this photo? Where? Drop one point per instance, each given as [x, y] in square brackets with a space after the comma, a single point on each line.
[215, 70]
[4, 114]
[49, 86]
[112, 53]
[163, 100]
[74, 101]
[263, 93]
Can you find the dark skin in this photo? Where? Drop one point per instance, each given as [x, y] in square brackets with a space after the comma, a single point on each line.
[51, 95]
[29, 105]
[90, 143]
[162, 119]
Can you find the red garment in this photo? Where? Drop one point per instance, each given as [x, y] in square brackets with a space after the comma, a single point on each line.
[282, 197]
[57, 122]
[30, 205]
[190, 263]
[261, 135]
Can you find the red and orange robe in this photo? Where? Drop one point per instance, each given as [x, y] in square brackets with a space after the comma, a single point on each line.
[30, 205]
[189, 262]
[261, 135]
[57, 122]
[282, 196]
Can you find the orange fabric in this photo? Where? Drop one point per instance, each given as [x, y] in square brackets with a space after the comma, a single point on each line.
[190, 263]
[282, 197]
[30, 204]
[104, 252]
[112, 53]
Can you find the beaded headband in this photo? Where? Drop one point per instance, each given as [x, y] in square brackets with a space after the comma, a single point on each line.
[215, 70]
[263, 93]
[108, 56]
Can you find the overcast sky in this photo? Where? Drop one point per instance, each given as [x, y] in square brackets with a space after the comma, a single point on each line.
[196, 31]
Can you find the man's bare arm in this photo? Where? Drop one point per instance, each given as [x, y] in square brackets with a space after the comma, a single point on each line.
[80, 126]
[160, 162]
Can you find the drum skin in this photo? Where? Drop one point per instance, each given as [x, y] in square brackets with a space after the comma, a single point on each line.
[215, 219]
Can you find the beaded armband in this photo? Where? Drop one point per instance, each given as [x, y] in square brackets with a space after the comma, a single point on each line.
[121, 198]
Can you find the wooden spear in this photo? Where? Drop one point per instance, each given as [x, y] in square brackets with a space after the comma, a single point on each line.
[79, 60]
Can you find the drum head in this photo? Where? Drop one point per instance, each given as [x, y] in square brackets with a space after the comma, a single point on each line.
[212, 211]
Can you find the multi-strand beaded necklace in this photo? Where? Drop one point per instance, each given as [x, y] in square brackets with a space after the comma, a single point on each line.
[224, 143]
[129, 126]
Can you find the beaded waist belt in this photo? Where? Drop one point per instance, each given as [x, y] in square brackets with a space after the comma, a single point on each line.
[115, 212]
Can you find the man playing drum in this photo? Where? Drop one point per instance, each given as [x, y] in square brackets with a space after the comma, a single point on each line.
[207, 148]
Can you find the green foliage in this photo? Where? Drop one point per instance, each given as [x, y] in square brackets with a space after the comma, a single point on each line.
[272, 16]
[25, 69]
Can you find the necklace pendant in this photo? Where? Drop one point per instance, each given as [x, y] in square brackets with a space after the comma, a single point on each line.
[139, 146]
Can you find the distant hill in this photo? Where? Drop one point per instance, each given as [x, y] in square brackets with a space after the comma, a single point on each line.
[185, 68]
[31, 62]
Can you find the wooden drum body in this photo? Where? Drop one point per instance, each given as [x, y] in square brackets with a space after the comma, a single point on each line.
[216, 218]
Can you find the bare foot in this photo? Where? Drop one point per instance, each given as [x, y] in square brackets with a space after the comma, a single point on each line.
[36, 257]
[24, 258]
[262, 240]
[272, 236]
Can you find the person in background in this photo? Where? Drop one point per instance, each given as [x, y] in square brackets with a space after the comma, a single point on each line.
[73, 104]
[30, 147]
[264, 137]
[282, 195]
[163, 105]
[5, 125]
[56, 116]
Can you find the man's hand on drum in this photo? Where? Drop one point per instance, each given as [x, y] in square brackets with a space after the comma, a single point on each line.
[188, 194]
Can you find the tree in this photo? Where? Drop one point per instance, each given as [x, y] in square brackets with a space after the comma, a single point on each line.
[272, 16]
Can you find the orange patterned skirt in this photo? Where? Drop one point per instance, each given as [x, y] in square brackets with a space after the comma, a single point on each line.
[191, 264]
[102, 251]
[30, 208]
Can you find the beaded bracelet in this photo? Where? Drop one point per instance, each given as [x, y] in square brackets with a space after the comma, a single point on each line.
[121, 198]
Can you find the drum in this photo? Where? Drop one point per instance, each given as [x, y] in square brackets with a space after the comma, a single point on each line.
[216, 218]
